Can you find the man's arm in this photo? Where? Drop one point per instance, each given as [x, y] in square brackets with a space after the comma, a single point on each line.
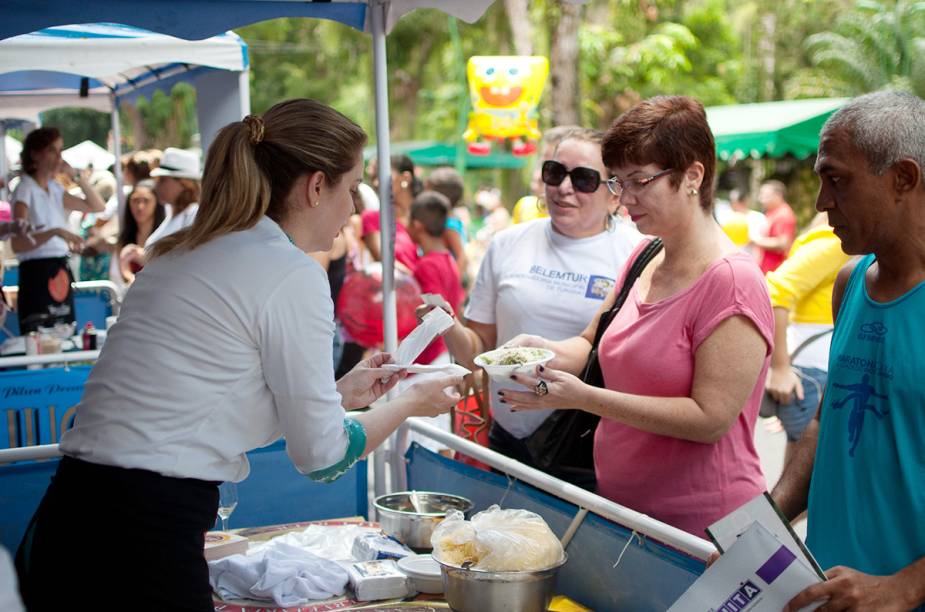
[848, 589]
[781, 234]
[782, 382]
[779, 244]
[792, 490]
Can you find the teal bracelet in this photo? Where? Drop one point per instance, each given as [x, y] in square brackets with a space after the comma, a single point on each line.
[356, 444]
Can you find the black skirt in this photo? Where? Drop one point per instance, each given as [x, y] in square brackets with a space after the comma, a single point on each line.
[118, 539]
[46, 295]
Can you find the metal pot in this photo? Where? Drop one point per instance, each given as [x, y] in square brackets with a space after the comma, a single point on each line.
[472, 590]
[411, 516]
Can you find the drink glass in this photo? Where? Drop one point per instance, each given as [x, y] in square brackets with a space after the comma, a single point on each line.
[227, 502]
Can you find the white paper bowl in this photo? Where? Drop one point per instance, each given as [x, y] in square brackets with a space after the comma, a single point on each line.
[502, 373]
[424, 573]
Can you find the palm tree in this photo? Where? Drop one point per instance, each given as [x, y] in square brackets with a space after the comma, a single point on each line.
[875, 46]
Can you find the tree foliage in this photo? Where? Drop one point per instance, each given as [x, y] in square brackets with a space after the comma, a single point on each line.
[79, 124]
[157, 122]
[167, 120]
[720, 51]
[771, 36]
[874, 46]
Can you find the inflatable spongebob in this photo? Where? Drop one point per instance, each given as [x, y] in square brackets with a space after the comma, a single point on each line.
[505, 92]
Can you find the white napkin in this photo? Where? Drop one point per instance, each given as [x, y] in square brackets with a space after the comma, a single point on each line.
[285, 574]
[334, 542]
[432, 325]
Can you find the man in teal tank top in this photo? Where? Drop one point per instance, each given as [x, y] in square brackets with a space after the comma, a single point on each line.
[860, 469]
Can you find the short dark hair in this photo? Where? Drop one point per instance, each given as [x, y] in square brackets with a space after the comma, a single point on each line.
[447, 181]
[671, 131]
[431, 208]
[140, 167]
[37, 140]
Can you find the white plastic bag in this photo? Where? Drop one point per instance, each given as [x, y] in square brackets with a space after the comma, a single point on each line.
[497, 540]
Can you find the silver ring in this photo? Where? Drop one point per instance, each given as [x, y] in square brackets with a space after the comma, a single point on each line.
[541, 388]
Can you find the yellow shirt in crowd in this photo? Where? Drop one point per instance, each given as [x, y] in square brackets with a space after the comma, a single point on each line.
[803, 283]
[526, 209]
[737, 229]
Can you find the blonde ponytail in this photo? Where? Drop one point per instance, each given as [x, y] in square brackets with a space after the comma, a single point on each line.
[253, 164]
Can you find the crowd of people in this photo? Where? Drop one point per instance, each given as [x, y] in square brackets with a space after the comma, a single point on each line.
[77, 233]
[732, 319]
[729, 314]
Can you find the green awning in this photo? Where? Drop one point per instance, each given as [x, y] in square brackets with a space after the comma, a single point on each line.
[770, 129]
[433, 153]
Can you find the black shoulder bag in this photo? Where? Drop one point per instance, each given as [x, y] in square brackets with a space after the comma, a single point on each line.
[563, 446]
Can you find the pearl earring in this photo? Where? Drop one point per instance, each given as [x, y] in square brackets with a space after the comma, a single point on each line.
[316, 203]
[404, 184]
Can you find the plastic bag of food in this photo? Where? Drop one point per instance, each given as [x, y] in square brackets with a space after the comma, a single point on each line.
[497, 540]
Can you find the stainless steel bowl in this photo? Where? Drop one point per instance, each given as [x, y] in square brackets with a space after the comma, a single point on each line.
[472, 590]
[410, 516]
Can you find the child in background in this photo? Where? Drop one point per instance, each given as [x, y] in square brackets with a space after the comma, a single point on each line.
[447, 181]
[436, 271]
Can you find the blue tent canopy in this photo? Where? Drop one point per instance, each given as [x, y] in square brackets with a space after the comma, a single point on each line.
[197, 19]
[100, 65]
[94, 61]
[190, 19]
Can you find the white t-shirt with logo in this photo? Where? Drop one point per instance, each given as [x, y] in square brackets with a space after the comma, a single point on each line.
[173, 223]
[534, 280]
[46, 211]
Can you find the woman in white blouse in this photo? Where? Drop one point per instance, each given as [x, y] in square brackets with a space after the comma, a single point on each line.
[45, 293]
[223, 345]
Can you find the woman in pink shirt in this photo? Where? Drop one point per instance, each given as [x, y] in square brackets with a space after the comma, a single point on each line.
[405, 185]
[684, 361]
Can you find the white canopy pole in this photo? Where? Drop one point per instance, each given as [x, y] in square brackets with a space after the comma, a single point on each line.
[117, 151]
[386, 219]
[387, 213]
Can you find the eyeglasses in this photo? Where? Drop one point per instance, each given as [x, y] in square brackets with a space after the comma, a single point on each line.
[585, 180]
[632, 185]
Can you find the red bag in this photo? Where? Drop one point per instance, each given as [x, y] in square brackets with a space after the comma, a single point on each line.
[472, 417]
[359, 305]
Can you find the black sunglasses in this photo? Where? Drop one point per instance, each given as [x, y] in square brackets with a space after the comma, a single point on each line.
[585, 180]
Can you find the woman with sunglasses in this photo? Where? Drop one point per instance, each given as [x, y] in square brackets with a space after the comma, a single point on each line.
[684, 360]
[546, 276]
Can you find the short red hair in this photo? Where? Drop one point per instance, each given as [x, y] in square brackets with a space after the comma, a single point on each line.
[670, 131]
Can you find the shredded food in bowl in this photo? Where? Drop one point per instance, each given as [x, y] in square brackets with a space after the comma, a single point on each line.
[514, 356]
